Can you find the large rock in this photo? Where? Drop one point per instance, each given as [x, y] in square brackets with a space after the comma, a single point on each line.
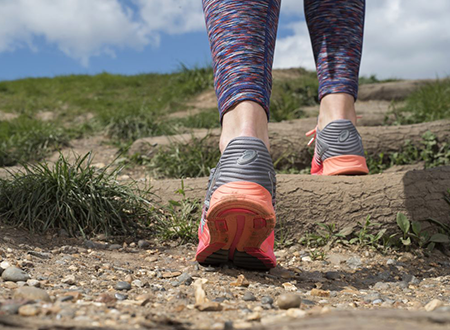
[15, 274]
[31, 293]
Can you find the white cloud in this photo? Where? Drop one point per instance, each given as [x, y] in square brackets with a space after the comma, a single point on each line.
[403, 38]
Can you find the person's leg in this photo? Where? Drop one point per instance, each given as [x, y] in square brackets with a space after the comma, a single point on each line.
[238, 217]
[242, 39]
[336, 31]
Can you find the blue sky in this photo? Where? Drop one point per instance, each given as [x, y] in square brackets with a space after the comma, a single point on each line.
[404, 38]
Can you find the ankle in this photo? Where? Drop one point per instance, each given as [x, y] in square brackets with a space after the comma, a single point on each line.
[336, 106]
[246, 119]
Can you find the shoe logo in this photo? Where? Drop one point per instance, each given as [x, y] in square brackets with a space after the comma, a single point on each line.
[247, 157]
[344, 135]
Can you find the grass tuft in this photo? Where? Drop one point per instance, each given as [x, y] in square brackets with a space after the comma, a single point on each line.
[76, 197]
[26, 139]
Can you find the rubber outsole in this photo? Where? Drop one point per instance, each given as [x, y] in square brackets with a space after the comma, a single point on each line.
[345, 165]
[240, 220]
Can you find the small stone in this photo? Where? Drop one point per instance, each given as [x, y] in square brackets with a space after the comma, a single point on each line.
[5, 264]
[171, 274]
[410, 279]
[266, 300]
[332, 275]
[120, 296]
[10, 285]
[66, 298]
[248, 296]
[209, 306]
[241, 281]
[107, 299]
[371, 297]
[183, 279]
[335, 259]
[354, 262]
[289, 287]
[31, 293]
[15, 274]
[115, 247]
[122, 285]
[34, 283]
[381, 286]
[320, 293]
[143, 244]
[11, 306]
[289, 300]
[137, 283]
[69, 279]
[390, 262]
[432, 305]
[209, 269]
[377, 302]
[295, 313]
[29, 310]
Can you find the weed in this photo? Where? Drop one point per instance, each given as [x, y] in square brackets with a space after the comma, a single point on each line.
[182, 160]
[76, 197]
[372, 79]
[26, 139]
[413, 232]
[428, 103]
[368, 235]
[179, 219]
[205, 119]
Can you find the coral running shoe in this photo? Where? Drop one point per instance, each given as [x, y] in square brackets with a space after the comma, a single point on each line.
[338, 150]
[238, 217]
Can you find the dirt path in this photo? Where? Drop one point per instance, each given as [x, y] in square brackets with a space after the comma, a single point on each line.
[84, 281]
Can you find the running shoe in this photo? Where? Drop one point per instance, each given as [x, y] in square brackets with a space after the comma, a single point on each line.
[238, 217]
[338, 150]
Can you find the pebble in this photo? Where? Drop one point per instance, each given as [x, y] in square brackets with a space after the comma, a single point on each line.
[69, 279]
[332, 275]
[15, 274]
[433, 304]
[122, 285]
[137, 283]
[390, 262]
[289, 287]
[381, 286]
[289, 300]
[34, 283]
[295, 313]
[411, 279]
[115, 247]
[29, 310]
[143, 244]
[371, 297]
[249, 296]
[354, 262]
[241, 281]
[4, 265]
[209, 306]
[120, 296]
[266, 300]
[320, 293]
[31, 293]
[183, 279]
[377, 302]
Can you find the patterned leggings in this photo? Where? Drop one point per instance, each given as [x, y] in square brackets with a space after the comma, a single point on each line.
[242, 37]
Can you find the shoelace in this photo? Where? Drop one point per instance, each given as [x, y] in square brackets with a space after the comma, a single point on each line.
[314, 133]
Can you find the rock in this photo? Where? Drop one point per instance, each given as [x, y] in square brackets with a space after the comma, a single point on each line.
[34, 283]
[289, 287]
[69, 279]
[381, 286]
[15, 274]
[122, 285]
[336, 259]
[295, 313]
[411, 279]
[41, 255]
[200, 294]
[240, 281]
[29, 310]
[354, 262]
[289, 300]
[209, 306]
[249, 296]
[371, 297]
[377, 302]
[266, 300]
[432, 305]
[4, 265]
[143, 244]
[256, 316]
[107, 299]
[320, 293]
[390, 262]
[332, 275]
[120, 296]
[10, 285]
[11, 306]
[137, 283]
[183, 279]
[114, 247]
[31, 293]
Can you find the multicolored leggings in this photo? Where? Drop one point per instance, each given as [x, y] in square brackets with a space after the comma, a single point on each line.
[242, 36]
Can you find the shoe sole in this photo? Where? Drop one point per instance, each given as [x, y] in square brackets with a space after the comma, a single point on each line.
[345, 165]
[240, 218]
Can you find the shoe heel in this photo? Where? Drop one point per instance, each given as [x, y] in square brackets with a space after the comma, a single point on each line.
[241, 218]
[347, 164]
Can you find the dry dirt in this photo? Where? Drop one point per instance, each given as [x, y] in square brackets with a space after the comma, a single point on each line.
[166, 289]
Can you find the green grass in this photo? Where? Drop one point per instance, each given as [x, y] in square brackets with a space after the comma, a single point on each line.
[205, 119]
[74, 196]
[26, 139]
[428, 103]
[289, 96]
[372, 79]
